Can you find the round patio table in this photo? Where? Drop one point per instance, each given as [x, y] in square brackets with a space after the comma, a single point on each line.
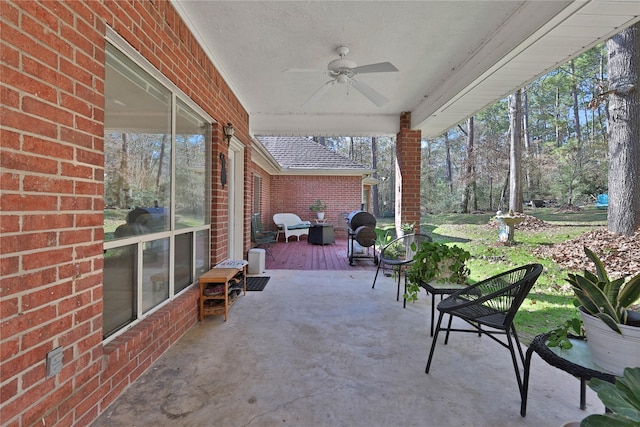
[576, 361]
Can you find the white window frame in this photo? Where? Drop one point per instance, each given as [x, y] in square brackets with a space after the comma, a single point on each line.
[119, 43]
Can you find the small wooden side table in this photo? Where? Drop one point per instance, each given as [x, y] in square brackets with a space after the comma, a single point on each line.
[220, 303]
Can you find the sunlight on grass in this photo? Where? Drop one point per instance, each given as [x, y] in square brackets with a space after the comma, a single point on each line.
[550, 302]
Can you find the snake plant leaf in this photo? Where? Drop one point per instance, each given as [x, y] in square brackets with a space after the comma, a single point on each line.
[595, 294]
[612, 290]
[609, 321]
[602, 273]
[631, 292]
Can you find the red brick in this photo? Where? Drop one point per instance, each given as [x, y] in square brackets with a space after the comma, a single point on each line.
[49, 221]
[9, 347]
[10, 139]
[38, 108]
[82, 139]
[46, 332]
[46, 295]
[24, 361]
[49, 38]
[74, 270]
[47, 258]
[25, 162]
[12, 202]
[76, 203]
[37, 11]
[8, 391]
[29, 280]
[9, 181]
[48, 148]
[11, 99]
[47, 184]
[18, 120]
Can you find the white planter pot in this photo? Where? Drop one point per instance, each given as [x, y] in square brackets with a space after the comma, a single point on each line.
[320, 215]
[609, 349]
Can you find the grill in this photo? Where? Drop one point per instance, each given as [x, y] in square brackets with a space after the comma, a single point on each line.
[362, 235]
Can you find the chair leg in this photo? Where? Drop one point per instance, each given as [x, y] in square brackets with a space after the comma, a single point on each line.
[398, 293]
[404, 302]
[268, 250]
[525, 383]
[515, 362]
[446, 337]
[376, 277]
[433, 343]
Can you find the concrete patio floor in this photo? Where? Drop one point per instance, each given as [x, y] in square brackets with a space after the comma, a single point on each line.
[321, 348]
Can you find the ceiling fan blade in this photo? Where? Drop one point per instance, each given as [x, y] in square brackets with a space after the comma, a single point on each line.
[373, 95]
[304, 70]
[319, 93]
[381, 67]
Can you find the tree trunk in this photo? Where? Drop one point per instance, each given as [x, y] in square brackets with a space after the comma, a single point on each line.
[122, 193]
[515, 154]
[576, 110]
[557, 117]
[527, 140]
[160, 162]
[449, 170]
[374, 188]
[624, 131]
[469, 179]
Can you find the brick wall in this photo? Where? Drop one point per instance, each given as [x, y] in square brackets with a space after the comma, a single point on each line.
[408, 146]
[295, 193]
[51, 201]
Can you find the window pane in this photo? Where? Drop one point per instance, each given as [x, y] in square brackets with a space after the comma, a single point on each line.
[182, 264]
[119, 288]
[155, 273]
[257, 193]
[191, 172]
[137, 169]
[202, 252]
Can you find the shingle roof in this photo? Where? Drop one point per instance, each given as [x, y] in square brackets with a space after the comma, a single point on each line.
[304, 153]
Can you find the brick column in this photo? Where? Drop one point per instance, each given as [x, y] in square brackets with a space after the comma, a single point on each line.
[408, 173]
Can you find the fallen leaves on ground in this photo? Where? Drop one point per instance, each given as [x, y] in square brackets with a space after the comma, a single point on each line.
[619, 254]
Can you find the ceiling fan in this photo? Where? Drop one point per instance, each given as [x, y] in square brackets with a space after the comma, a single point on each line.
[346, 71]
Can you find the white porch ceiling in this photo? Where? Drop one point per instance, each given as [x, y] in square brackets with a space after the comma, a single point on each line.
[454, 57]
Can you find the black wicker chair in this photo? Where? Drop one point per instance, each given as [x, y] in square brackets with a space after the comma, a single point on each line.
[491, 303]
[398, 254]
[261, 237]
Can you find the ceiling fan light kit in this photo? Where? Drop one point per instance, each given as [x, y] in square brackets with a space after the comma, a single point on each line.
[344, 71]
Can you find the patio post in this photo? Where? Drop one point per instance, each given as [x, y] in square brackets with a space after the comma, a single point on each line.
[408, 165]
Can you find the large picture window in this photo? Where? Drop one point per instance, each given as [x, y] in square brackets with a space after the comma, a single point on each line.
[156, 191]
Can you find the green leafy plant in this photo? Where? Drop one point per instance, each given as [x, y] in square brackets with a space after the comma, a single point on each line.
[622, 399]
[603, 298]
[408, 227]
[559, 337]
[436, 261]
[318, 206]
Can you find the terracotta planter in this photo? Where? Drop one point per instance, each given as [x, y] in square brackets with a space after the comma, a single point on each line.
[609, 349]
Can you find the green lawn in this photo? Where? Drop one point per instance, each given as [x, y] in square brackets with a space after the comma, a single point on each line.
[549, 303]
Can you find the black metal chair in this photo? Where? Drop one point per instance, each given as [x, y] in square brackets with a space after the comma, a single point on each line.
[261, 237]
[398, 254]
[493, 304]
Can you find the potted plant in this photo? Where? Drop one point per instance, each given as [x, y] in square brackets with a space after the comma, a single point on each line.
[436, 262]
[612, 330]
[318, 207]
[407, 228]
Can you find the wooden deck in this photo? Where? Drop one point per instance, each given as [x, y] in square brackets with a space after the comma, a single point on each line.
[302, 255]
